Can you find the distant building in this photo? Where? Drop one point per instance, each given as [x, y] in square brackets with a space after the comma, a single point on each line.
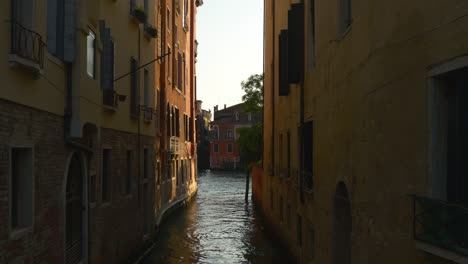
[224, 152]
[203, 119]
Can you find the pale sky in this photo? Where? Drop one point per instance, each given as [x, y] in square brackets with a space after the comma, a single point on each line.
[230, 37]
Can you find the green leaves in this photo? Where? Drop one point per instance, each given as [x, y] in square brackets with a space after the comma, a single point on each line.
[253, 97]
[251, 138]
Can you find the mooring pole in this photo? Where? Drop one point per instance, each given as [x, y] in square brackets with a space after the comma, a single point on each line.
[247, 181]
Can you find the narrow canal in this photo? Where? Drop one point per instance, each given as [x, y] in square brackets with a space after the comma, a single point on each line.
[216, 227]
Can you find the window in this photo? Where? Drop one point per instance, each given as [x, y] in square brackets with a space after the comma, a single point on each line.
[230, 134]
[91, 54]
[311, 34]
[281, 209]
[177, 123]
[146, 7]
[133, 87]
[180, 73]
[215, 132]
[106, 174]
[146, 163]
[146, 88]
[168, 17]
[132, 6]
[345, 15]
[22, 188]
[176, 71]
[215, 148]
[129, 175]
[237, 116]
[281, 155]
[158, 173]
[169, 64]
[308, 151]
[229, 148]
[299, 230]
[449, 154]
[295, 44]
[92, 188]
[107, 61]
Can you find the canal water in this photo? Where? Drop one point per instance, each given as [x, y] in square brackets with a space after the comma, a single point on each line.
[216, 227]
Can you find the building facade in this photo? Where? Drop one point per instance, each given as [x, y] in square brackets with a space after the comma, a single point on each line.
[80, 134]
[224, 151]
[363, 158]
[177, 84]
[203, 119]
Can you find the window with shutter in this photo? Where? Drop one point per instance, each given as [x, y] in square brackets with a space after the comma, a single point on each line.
[133, 87]
[345, 15]
[179, 70]
[283, 63]
[296, 43]
[311, 48]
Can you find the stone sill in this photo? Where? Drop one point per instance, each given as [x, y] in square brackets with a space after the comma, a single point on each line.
[17, 61]
[443, 253]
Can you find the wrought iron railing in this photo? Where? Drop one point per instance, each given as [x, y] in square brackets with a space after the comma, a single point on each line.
[27, 43]
[110, 98]
[441, 224]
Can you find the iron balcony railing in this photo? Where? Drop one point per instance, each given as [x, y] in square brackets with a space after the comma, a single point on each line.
[110, 98]
[27, 44]
[441, 224]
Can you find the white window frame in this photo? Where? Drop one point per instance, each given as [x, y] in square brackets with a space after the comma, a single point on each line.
[91, 72]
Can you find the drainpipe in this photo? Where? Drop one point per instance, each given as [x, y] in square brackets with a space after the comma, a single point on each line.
[301, 129]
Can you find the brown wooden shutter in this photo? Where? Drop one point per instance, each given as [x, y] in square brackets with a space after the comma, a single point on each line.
[283, 63]
[296, 43]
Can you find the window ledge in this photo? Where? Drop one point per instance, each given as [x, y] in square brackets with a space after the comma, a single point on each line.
[443, 253]
[20, 233]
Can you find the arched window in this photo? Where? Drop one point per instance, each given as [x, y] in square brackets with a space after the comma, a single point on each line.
[215, 132]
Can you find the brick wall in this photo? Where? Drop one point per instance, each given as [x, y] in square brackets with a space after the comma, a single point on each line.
[20, 125]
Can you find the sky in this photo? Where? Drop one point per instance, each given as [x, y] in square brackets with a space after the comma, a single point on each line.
[230, 37]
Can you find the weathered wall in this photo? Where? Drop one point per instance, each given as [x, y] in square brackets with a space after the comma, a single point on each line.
[367, 94]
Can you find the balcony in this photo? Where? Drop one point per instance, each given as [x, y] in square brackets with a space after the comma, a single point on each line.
[174, 145]
[441, 224]
[110, 99]
[27, 48]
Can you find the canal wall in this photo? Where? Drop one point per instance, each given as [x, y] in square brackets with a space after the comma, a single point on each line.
[165, 212]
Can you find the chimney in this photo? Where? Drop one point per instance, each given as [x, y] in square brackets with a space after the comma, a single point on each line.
[224, 106]
[215, 109]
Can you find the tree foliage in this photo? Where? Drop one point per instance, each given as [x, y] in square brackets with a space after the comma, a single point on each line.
[251, 138]
[253, 97]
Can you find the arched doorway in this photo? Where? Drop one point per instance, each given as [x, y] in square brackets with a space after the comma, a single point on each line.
[342, 226]
[74, 212]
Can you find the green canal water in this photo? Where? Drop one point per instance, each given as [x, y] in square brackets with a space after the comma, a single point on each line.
[216, 227]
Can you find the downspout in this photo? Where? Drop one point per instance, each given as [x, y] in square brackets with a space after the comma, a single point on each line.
[273, 91]
[301, 129]
[68, 115]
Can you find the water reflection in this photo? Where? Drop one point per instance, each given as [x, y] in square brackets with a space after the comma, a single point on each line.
[217, 227]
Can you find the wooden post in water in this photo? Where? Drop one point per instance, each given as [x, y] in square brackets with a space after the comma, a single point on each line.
[247, 181]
